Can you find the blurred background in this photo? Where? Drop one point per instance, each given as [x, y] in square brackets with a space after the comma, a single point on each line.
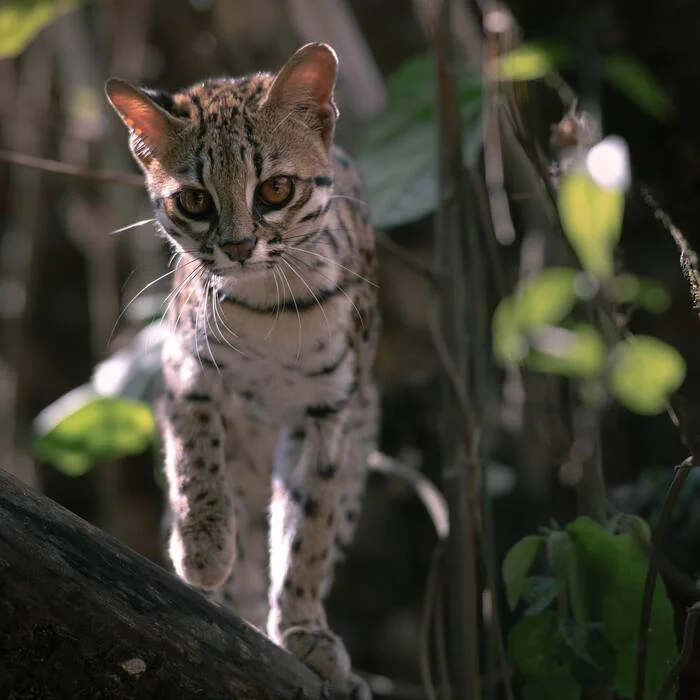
[66, 277]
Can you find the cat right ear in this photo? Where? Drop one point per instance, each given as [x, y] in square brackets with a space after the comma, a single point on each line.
[150, 126]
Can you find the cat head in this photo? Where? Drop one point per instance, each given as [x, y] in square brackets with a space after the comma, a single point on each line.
[237, 168]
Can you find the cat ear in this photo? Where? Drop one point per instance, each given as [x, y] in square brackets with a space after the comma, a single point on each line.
[151, 127]
[306, 83]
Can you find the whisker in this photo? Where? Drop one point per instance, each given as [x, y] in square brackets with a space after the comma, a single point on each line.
[294, 301]
[207, 289]
[350, 199]
[336, 286]
[136, 224]
[333, 262]
[277, 303]
[216, 313]
[323, 311]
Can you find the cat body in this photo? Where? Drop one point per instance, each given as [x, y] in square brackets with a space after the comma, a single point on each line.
[269, 412]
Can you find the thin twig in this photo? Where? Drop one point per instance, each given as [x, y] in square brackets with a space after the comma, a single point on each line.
[682, 471]
[691, 622]
[57, 167]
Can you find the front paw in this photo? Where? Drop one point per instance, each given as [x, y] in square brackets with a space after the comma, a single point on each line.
[202, 557]
[321, 650]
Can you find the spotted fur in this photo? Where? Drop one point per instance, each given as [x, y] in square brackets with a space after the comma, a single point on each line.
[270, 411]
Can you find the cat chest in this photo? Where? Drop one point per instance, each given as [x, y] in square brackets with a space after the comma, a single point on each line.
[284, 393]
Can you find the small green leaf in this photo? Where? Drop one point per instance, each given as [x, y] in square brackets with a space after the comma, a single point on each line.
[539, 592]
[546, 298]
[516, 566]
[529, 61]
[539, 301]
[22, 20]
[592, 220]
[576, 352]
[83, 428]
[633, 80]
[645, 372]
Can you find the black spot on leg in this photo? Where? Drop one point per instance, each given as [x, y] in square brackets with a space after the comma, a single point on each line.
[311, 508]
[327, 471]
[296, 495]
[189, 444]
[204, 418]
[215, 442]
[213, 468]
[199, 463]
[298, 592]
[331, 518]
[296, 546]
[351, 516]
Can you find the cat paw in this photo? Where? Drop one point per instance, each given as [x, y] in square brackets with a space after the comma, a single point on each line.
[201, 560]
[355, 688]
[322, 651]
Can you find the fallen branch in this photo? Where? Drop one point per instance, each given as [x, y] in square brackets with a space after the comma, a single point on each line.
[82, 616]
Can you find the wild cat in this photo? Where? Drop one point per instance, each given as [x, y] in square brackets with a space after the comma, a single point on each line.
[269, 411]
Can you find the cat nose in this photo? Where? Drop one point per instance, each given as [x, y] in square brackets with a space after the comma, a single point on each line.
[239, 250]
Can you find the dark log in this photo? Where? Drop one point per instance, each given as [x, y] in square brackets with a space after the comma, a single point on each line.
[84, 617]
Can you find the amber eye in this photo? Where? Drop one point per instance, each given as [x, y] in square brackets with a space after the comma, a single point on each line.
[275, 192]
[197, 204]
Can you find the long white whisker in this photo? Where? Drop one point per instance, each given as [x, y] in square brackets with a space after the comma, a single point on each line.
[337, 286]
[207, 289]
[277, 303]
[133, 299]
[134, 225]
[333, 262]
[311, 291]
[294, 301]
[216, 317]
[187, 301]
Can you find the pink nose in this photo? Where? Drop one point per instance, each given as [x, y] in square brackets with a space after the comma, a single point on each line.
[240, 250]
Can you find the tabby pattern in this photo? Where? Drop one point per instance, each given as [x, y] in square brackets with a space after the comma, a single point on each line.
[269, 411]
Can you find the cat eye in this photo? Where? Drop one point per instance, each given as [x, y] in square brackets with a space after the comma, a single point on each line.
[194, 203]
[275, 192]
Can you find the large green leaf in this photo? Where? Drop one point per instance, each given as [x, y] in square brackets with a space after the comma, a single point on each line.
[564, 563]
[592, 220]
[646, 371]
[539, 592]
[83, 428]
[399, 153]
[615, 570]
[22, 20]
[516, 566]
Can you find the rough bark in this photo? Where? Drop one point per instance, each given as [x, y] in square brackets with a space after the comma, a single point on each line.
[82, 616]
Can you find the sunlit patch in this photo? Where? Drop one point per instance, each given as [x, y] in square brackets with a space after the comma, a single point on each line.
[608, 163]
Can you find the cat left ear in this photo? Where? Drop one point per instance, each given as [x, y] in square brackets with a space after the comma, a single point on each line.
[151, 127]
[305, 83]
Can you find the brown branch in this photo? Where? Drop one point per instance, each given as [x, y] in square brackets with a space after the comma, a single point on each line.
[691, 622]
[57, 167]
[87, 616]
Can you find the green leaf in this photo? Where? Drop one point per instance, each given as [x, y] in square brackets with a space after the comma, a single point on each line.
[398, 156]
[22, 20]
[539, 592]
[539, 301]
[615, 570]
[646, 371]
[576, 352]
[529, 61]
[540, 658]
[516, 566]
[592, 219]
[649, 295]
[564, 564]
[83, 428]
[593, 662]
[633, 80]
